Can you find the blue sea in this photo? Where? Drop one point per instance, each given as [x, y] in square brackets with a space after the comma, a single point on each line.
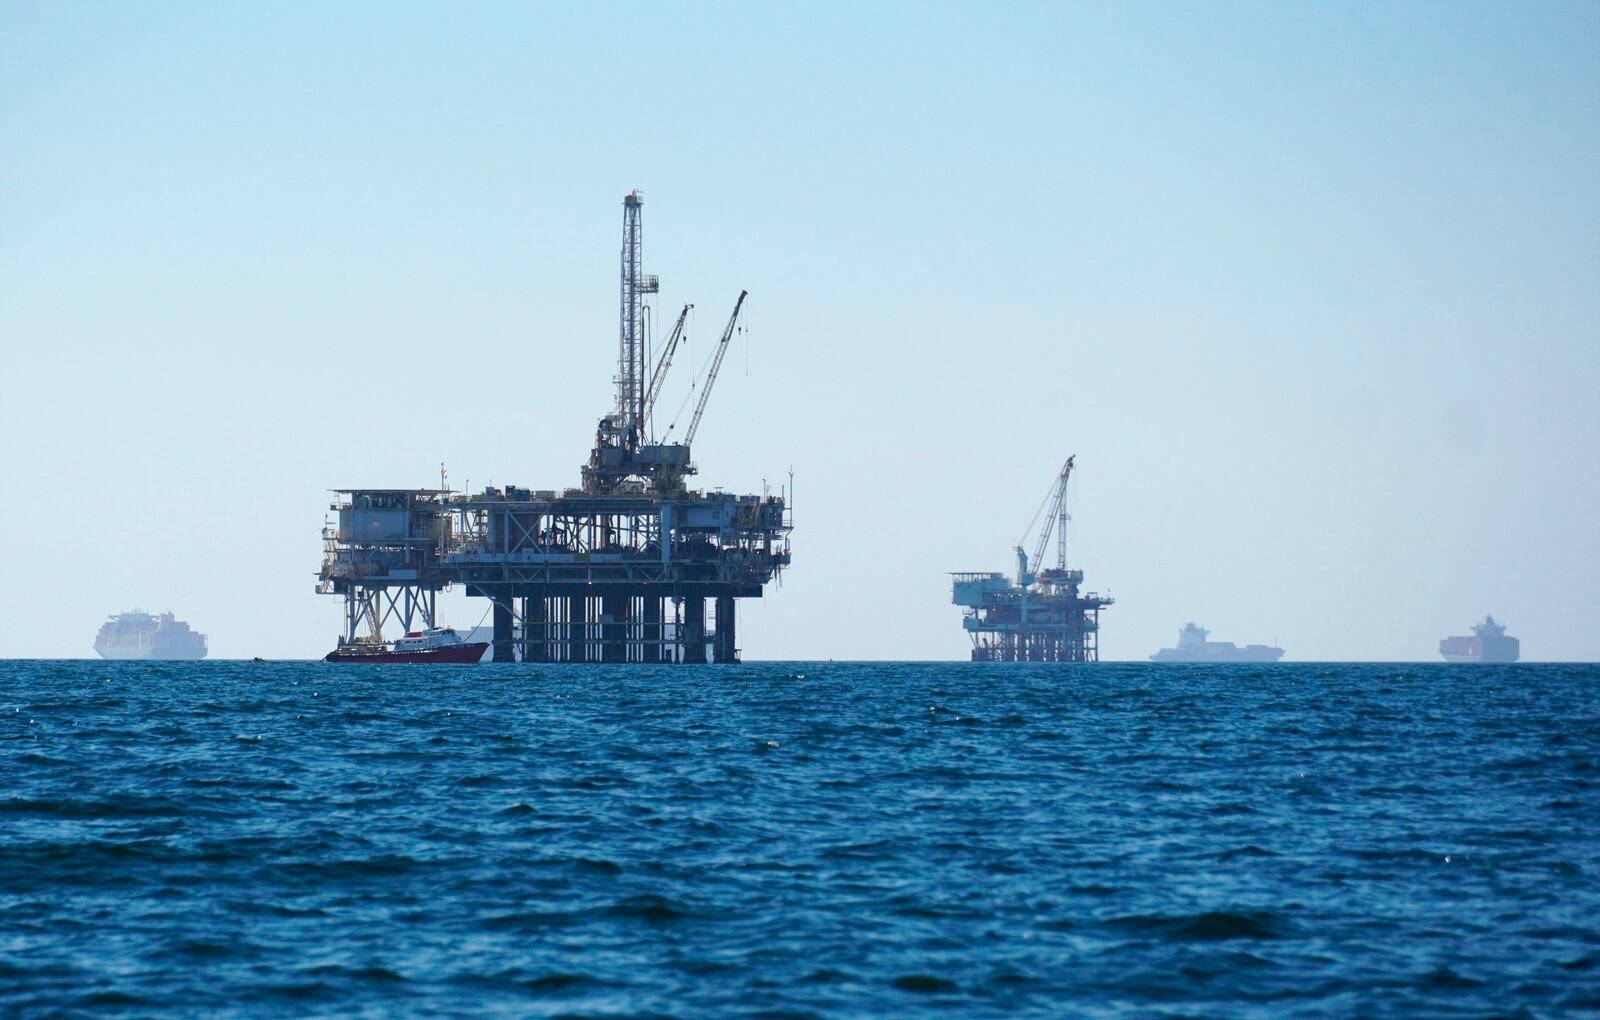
[799, 840]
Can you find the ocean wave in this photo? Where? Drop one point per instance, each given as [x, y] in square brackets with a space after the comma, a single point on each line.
[926, 984]
[1119, 840]
[1210, 925]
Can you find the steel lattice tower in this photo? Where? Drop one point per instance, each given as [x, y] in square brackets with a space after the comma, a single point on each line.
[630, 350]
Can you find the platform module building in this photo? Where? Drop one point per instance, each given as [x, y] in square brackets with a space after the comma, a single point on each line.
[619, 569]
[1041, 615]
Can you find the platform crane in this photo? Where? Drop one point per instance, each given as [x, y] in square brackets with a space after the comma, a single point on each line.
[1055, 521]
[711, 375]
[662, 364]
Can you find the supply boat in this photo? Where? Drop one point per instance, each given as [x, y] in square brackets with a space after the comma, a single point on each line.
[1193, 646]
[437, 644]
[1488, 644]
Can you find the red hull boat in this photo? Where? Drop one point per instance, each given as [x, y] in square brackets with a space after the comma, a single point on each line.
[420, 646]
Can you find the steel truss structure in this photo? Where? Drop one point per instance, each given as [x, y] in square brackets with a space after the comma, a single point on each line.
[1042, 616]
[572, 577]
[1041, 623]
[619, 570]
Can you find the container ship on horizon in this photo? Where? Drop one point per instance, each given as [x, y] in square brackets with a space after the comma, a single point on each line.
[141, 635]
[1488, 644]
[1194, 646]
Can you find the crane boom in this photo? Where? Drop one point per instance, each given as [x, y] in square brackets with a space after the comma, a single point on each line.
[1057, 515]
[662, 364]
[711, 376]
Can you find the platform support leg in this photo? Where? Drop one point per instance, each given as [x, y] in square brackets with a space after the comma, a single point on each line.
[725, 648]
[650, 643]
[560, 647]
[504, 648]
[535, 627]
[577, 629]
[694, 629]
[613, 627]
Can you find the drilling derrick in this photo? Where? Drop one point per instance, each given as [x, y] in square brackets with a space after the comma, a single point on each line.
[628, 417]
[619, 570]
[1042, 615]
[623, 457]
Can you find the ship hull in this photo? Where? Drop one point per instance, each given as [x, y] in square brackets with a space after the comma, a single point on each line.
[464, 654]
[1476, 659]
[1494, 650]
[1242, 655]
[152, 654]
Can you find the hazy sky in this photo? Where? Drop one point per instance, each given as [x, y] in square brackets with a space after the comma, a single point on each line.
[1313, 293]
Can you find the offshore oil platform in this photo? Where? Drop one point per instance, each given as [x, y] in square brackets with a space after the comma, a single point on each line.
[1041, 615]
[617, 570]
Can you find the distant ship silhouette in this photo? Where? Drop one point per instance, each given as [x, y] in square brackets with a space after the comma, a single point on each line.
[1488, 644]
[141, 635]
[1193, 647]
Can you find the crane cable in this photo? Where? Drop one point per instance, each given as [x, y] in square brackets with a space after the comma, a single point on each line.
[706, 366]
[1035, 518]
[693, 389]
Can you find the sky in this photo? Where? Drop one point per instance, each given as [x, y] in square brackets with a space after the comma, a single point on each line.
[1309, 290]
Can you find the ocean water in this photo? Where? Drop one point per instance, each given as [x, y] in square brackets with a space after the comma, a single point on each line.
[799, 840]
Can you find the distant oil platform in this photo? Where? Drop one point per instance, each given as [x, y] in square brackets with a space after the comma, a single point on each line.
[619, 570]
[1041, 615]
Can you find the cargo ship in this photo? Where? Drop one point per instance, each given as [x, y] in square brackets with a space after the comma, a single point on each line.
[141, 635]
[437, 644]
[1193, 646]
[1488, 644]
